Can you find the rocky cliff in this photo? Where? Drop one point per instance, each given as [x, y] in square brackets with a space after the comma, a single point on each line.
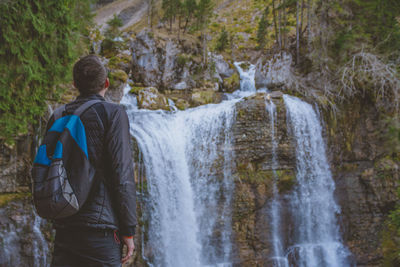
[366, 172]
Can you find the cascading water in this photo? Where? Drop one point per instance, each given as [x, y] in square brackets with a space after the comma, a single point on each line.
[22, 241]
[247, 83]
[278, 258]
[316, 237]
[187, 157]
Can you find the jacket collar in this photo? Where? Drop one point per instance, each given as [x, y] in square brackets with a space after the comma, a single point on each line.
[90, 97]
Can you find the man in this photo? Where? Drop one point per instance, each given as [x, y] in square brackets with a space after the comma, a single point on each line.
[91, 236]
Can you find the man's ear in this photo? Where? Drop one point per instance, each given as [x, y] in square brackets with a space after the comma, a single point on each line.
[107, 83]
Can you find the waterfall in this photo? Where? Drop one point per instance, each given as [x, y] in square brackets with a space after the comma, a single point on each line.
[278, 257]
[316, 237]
[188, 160]
[247, 82]
[21, 239]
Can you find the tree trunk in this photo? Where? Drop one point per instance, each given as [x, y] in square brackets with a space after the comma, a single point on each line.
[309, 25]
[301, 18]
[275, 24]
[280, 25]
[186, 24]
[284, 25]
[297, 33]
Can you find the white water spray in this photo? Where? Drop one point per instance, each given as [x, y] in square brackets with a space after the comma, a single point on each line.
[278, 258]
[316, 237]
[187, 157]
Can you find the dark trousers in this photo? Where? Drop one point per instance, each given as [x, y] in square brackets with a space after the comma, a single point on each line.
[88, 247]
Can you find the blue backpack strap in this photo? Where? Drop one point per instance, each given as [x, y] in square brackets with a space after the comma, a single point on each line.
[78, 112]
[58, 112]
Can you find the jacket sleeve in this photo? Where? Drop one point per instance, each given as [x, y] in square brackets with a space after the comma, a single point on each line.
[122, 171]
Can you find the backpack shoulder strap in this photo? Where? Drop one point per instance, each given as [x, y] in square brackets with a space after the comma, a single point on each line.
[58, 112]
[78, 112]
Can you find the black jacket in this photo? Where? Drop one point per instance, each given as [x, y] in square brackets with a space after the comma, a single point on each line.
[112, 202]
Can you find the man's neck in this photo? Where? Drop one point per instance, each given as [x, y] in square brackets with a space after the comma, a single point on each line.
[102, 92]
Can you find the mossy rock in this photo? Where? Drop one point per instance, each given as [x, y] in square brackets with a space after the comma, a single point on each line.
[182, 60]
[182, 104]
[110, 48]
[136, 89]
[7, 197]
[150, 98]
[117, 77]
[204, 97]
[119, 61]
[286, 180]
[255, 176]
[232, 83]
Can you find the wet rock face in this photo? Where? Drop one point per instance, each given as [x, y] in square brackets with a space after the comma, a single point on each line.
[14, 166]
[24, 237]
[150, 98]
[367, 178]
[118, 80]
[170, 64]
[254, 177]
[146, 60]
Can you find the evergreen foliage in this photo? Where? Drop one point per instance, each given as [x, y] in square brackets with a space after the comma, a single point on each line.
[371, 24]
[38, 42]
[223, 41]
[113, 27]
[263, 28]
[203, 13]
[171, 9]
[189, 9]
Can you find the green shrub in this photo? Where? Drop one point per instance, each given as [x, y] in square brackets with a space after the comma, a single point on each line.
[223, 41]
[39, 40]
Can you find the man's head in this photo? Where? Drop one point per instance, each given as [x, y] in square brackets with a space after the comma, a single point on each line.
[90, 76]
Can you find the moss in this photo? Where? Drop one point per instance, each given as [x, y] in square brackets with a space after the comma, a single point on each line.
[181, 104]
[255, 176]
[241, 113]
[232, 83]
[117, 76]
[7, 197]
[136, 89]
[245, 65]
[385, 168]
[391, 246]
[286, 180]
[182, 59]
[203, 97]
[114, 62]
[349, 167]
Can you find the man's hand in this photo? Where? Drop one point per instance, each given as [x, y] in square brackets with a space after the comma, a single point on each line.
[128, 241]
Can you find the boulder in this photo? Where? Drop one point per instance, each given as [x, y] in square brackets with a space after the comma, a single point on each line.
[274, 72]
[231, 83]
[182, 104]
[118, 80]
[150, 98]
[221, 66]
[205, 96]
[146, 59]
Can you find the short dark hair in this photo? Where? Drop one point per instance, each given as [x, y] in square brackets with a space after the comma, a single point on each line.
[89, 75]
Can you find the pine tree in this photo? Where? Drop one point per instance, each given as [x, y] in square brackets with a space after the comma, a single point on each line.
[263, 29]
[203, 14]
[189, 8]
[171, 9]
[222, 41]
[113, 27]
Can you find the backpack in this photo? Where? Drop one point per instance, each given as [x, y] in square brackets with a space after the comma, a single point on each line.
[62, 174]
